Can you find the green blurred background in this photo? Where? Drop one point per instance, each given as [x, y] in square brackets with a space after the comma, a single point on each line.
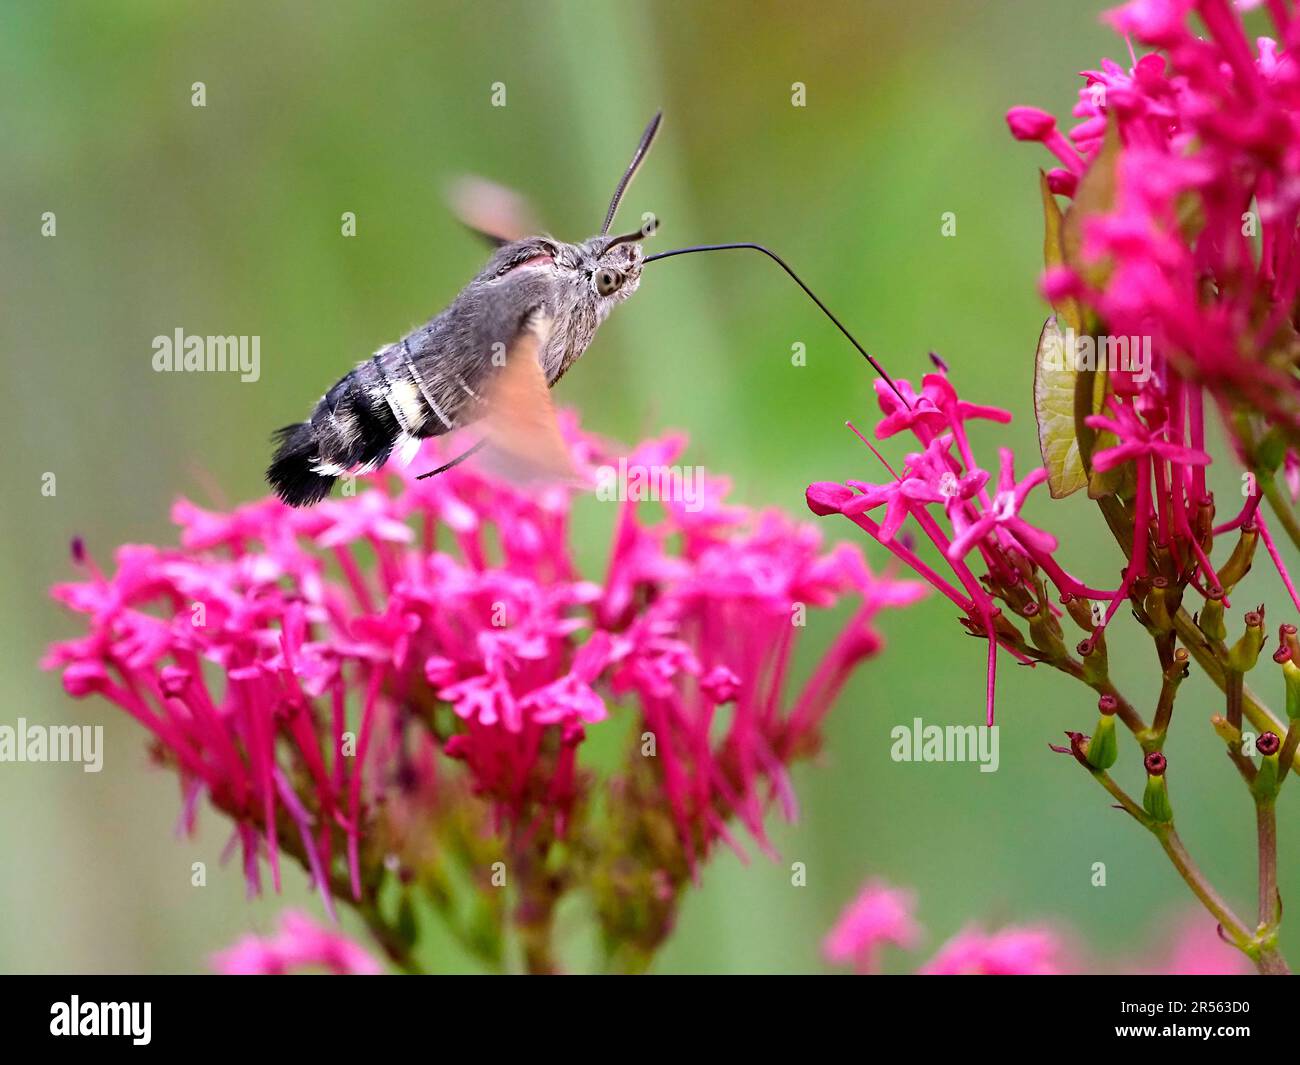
[225, 219]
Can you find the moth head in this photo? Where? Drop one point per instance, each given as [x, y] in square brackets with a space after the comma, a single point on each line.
[613, 266]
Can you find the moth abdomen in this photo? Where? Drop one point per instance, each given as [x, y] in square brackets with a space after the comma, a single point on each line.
[355, 427]
[292, 473]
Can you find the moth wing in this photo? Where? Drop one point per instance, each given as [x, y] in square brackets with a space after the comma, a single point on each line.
[519, 419]
[496, 213]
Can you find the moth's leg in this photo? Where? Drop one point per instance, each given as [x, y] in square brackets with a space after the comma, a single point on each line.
[454, 462]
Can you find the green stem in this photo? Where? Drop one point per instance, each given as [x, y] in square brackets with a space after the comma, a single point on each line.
[538, 894]
[1165, 708]
[1125, 711]
[1190, 872]
[1261, 947]
[1266, 822]
[397, 949]
[1207, 658]
[1122, 797]
[1234, 689]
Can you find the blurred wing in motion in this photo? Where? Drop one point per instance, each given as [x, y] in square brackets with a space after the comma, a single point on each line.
[496, 213]
[524, 440]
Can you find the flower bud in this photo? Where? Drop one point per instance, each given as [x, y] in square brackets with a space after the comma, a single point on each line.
[1226, 731]
[1059, 283]
[721, 685]
[1161, 605]
[1093, 653]
[827, 497]
[1006, 629]
[1079, 748]
[1268, 778]
[1155, 799]
[1291, 675]
[1210, 619]
[1203, 522]
[1286, 637]
[1243, 654]
[1179, 668]
[1045, 630]
[174, 680]
[1062, 182]
[1029, 123]
[1239, 562]
[1103, 748]
[1080, 610]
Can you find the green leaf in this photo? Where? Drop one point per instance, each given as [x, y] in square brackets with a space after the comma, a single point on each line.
[1054, 252]
[1094, 197]
[1054, 399]
[1070, 448]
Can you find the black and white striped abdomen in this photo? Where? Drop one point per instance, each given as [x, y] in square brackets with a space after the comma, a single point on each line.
[385, 405]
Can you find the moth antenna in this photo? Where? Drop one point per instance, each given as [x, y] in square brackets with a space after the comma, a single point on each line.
[636, 234]
[647, 138]
[456, 461]
[884, 376]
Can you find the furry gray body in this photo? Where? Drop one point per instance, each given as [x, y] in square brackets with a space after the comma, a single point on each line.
[439, 376]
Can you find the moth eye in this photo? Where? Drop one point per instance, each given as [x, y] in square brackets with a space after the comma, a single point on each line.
[607, 281]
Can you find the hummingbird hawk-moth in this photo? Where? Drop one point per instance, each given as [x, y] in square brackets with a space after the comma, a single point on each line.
[490, 358]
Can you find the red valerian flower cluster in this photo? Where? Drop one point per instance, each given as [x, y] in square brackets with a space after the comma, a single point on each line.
[311, 672]
[1173, 270]
[1174, 275]
[1184, 173]
[944, 479]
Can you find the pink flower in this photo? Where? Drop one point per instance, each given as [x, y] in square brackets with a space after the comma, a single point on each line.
[1014, 951]
[946, 475]
[721, 684]
[1207, 128]
[879, 916]
[884, 916]
[299, 943]
[314, 674]
[1031, 124]
[936, 408]
[1137, 441]
[1197, 950]
[1004, 513]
